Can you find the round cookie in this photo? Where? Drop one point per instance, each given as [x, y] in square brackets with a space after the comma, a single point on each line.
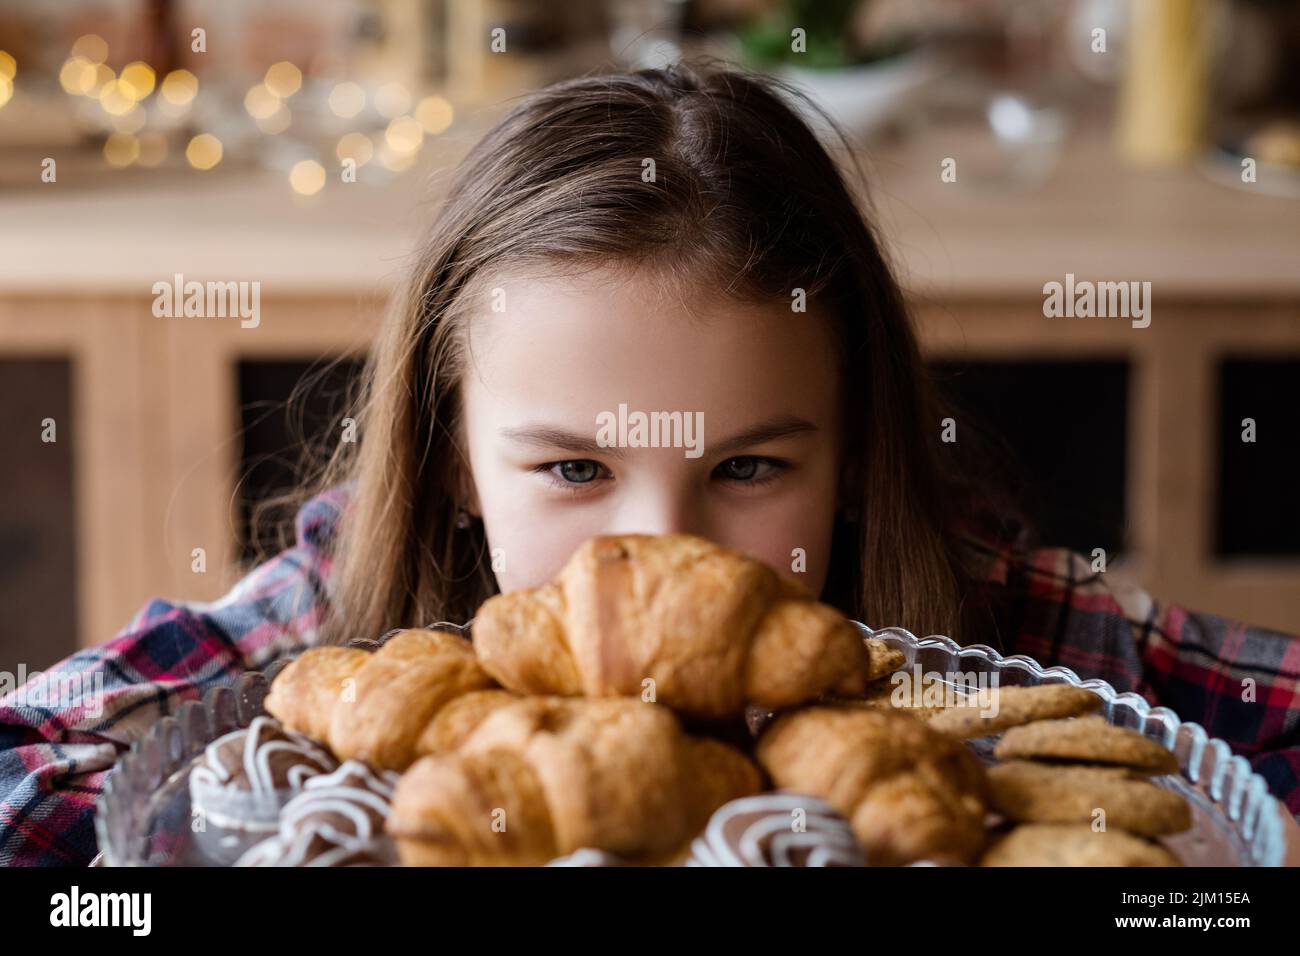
[1015, 707]
[1042, 793]
[884, 660]
[1086, 740]
[1074, 844]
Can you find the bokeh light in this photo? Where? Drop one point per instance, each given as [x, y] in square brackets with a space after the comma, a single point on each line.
[392, 100]
[8, 65]
[347, 100]
[283, 79]
[116, 99]
[137, 80]
[261, 102]
[204, 151]
[121, 150]
[434, 114]
[92, 47]
[6, 90]
[307, 177]
[104, 75]
[355, 146]
[179, 87]
[77, 76]
[404, 135]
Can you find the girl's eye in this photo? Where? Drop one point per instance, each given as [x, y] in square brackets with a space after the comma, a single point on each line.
[579, 471]
[748, 468]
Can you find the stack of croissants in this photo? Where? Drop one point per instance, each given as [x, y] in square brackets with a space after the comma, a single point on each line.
[601, 711]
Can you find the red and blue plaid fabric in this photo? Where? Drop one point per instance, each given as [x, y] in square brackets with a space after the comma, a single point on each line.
[56, 751]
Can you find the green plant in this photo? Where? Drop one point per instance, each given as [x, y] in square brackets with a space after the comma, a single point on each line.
[826, 24]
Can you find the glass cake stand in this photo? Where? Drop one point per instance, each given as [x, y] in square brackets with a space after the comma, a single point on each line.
[143, 815]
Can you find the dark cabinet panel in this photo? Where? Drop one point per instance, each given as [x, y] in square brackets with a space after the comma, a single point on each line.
[38, 514]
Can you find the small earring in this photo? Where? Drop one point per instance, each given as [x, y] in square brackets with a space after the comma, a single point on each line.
[462, 518]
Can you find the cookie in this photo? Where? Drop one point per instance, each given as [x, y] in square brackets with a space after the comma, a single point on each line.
[1042, 793]
[889, 694]
[1074, 844]
[884, 660]
[1013, 707]
[1086, 740]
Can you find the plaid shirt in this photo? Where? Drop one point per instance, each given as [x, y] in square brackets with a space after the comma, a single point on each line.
[56, 747]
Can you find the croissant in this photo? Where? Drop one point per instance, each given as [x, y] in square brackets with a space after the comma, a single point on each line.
[909, 792]
[712, 631]
[542, 777]
[381, 706]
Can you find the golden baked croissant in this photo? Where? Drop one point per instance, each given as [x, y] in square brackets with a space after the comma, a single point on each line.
[542, 777]
[712, 629]
[909, 792]
[381, 706]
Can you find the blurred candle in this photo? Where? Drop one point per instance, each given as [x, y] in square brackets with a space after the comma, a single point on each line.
[1165, 91]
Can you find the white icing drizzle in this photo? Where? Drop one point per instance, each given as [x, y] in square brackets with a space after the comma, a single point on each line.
[354, 792]
[263, 739]
[828, 839]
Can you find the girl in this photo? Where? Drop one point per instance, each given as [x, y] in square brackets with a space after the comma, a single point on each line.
[671, 241]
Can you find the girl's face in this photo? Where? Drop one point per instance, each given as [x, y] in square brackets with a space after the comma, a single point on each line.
[558, 381]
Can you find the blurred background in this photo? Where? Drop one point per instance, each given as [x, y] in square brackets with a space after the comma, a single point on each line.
[1115, 140]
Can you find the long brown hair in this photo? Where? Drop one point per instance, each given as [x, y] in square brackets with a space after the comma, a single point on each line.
[745, 197]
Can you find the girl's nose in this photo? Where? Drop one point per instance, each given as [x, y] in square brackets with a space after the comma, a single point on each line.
[658, 516]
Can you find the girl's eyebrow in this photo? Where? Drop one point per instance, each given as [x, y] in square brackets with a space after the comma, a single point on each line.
[770, 429]
[541, 435]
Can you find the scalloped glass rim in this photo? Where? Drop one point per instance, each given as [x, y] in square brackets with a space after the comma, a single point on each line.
[1228, 781]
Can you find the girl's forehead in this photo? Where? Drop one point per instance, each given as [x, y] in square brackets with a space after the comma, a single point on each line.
[629, 339]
